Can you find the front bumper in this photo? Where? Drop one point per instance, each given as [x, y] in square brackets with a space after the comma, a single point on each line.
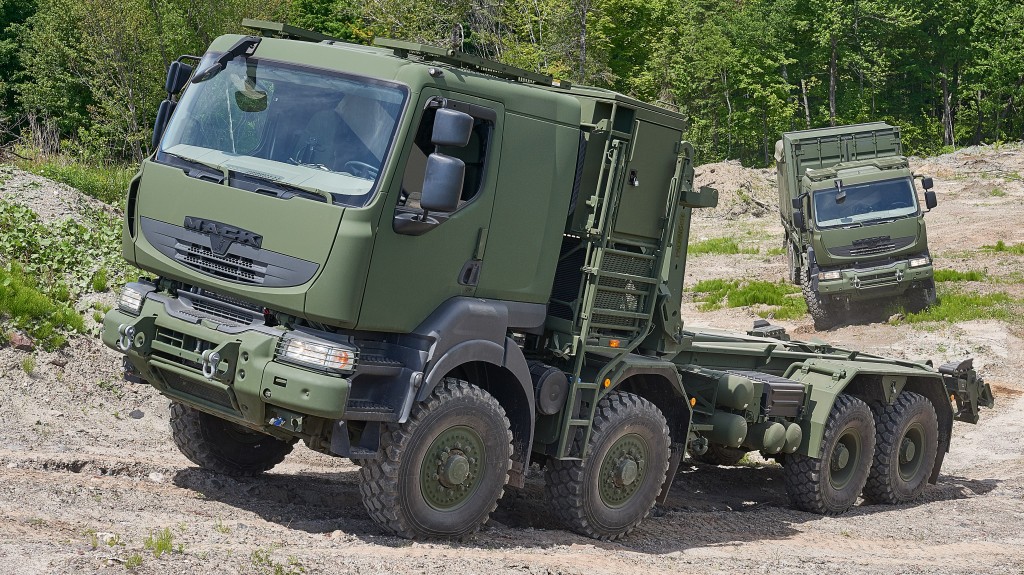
[175, 355]
[875, 282]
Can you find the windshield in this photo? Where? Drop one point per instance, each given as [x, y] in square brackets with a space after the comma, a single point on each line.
[299, 127]
[883, 200]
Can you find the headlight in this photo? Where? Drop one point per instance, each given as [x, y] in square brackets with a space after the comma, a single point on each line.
[325, 356]
[918, 262]
[833, 275]
[130, 300]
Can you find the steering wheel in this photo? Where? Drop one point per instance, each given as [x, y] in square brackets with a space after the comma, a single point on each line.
[362, 170]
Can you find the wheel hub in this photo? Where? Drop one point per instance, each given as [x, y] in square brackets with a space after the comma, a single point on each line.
[455, 470]
[907, 450]
[626, 472]
[451, 468]
[622, 470]
[841, 457]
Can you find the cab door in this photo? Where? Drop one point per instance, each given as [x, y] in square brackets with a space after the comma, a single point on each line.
[415, 268]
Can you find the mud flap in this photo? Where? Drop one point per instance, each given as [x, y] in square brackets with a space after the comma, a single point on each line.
[674, 459]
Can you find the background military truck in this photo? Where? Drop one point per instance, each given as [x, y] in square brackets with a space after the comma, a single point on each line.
[854, 224]
[479, 270]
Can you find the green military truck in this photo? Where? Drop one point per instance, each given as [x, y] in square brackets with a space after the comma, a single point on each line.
[853, 220]
[447, 270]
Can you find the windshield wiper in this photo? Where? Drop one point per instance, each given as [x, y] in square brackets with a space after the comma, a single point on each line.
[193, 168]
[269, 186]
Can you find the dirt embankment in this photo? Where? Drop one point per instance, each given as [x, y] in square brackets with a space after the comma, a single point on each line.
[88, 472]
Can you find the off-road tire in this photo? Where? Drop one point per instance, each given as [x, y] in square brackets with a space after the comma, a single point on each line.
[809, 480]
[823, 313]
[720, 455]
[795, 274]
[574, 488]
[911, 418]
[919, 299]
[219, 445]
[395, 490]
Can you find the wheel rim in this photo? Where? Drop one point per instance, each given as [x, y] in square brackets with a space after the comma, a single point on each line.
[623, 470]
[911, 452]
[450, 473]
[845, 457]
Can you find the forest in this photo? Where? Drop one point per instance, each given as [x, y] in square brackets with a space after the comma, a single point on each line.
[83, 78]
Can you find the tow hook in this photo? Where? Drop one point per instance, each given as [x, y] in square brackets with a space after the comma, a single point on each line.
[127, 333]
[211, 359]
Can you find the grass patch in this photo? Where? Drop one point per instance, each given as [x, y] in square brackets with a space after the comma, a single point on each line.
[954, 306]
[67, 258]
[159, 542]
[779, 298]
[28, 364]
[105, 182]
[25, 307]
[997, 193]
[133, 561]
[956, 276]
[1001, 247]
[723, 246]
[776, 252]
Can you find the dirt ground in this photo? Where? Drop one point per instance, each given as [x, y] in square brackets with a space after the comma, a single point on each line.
[88, 471]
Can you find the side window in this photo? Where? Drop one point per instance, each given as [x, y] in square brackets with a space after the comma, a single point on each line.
[473, 154]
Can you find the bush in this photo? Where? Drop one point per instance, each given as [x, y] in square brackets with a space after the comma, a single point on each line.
[23, 306]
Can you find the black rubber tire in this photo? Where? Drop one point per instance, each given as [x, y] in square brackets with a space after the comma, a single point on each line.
[390, 485]
[917, 300]
[572, 487]
[911, 416]
[720, 455]
[219, 445]
[809, 479]
[795, 274]
[823, 313]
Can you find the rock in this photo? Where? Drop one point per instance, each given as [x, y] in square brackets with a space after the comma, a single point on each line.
[895, 318]
[106, 538]
[59, 361]
[156, 477]
[136, 414]
[21, 341]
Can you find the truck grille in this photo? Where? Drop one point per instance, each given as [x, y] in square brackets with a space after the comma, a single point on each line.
[181, 341]
[227, 266]
[871, 248]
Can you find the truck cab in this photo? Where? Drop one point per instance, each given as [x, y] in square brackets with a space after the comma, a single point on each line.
[854, 220]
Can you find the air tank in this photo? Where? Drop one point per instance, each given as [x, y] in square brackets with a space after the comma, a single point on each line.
[768, 437]
[734, 392]
[729, 429]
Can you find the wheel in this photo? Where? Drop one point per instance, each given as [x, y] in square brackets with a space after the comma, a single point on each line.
[442, 472]
[919, 299]
[219, 445]
[362, 170]
[792, 264]
[721, 455]
[822, 312]
[906, 444]
[612, 490]
[830, 484]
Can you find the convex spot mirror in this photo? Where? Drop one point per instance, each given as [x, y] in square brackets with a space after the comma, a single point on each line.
[452, 128]
[927, 183]
[178, 74]
[442, 183]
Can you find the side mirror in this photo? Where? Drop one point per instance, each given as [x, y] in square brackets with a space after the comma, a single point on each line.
[930, 200]
[178, 74]
[798, 220]
[452, 128]
[163, 114]
[927, 183]
[797, 203]
[442, 184]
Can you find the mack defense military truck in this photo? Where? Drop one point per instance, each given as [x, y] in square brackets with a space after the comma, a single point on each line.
[853, 220]
[447, 270]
